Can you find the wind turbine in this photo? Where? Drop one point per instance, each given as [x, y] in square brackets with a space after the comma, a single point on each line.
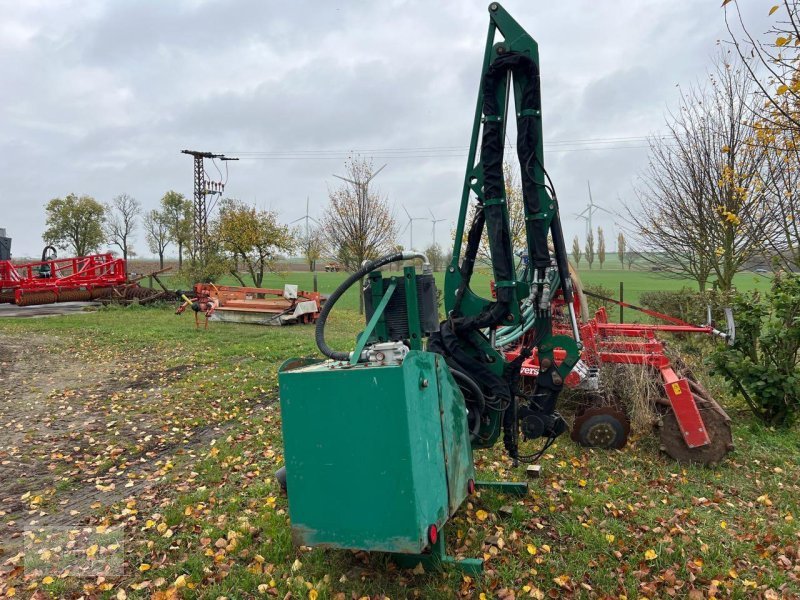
[587, 213]
[306, 218]
[361, 186]
[434, 221]
[410, 227]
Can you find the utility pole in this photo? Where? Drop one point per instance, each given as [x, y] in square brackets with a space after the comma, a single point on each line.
[202, 187]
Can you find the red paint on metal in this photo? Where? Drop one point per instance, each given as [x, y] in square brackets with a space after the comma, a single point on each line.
[683, 405]
[259, 300]
[631, 344]
[84, 273]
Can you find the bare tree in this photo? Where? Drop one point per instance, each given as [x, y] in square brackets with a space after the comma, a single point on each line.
[358, 224]
[771, 65]
[157, 232]
[601, 246]
[121, 218]
[630, 257]
[701, 193]
[782, 188]
[589, 252]
[576, 251]
[621, 249]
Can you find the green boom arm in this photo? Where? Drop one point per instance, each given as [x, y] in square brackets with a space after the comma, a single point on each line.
[510, 63]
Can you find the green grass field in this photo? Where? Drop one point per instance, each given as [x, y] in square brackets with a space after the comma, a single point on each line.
[634, 282]
[138, 423]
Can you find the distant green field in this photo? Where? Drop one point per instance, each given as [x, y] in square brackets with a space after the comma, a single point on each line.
[328, 282]
[634, 283]
[637, 282]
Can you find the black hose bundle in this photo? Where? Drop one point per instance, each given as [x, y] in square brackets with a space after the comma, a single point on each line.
[458, 339]
[365, 269]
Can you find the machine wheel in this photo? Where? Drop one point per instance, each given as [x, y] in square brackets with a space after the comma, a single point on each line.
[280, 475]
[719, 430]
[601, 427]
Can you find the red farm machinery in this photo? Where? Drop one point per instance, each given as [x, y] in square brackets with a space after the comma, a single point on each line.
[258, 306]
[691, 425]
[99, 277]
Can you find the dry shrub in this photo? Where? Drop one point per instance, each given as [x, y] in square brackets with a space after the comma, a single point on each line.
[636, 388]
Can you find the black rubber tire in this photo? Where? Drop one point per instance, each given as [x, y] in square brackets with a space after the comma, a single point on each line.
[280, 475]
[618, 440]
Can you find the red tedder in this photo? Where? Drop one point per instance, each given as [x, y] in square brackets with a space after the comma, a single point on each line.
[60, 280]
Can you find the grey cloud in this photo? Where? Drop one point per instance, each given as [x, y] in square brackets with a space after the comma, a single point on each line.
[99, 97]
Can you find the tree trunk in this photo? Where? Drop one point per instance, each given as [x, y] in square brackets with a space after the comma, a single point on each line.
[180, 255]
[238, 278]
[161, 260]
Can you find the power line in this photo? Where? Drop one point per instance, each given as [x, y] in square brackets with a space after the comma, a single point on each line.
[422, 152]
[445, 149]
[461, 154]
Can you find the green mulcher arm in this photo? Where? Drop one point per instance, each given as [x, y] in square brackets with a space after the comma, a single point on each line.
[511, 62]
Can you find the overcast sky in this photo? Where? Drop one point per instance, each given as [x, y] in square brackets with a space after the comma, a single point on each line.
[99, 98]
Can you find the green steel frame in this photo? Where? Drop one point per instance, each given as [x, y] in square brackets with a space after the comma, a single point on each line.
[514, 39]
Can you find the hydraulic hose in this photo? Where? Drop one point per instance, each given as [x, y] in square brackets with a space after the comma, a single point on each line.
[366, 268]
[511, 333]
[462, 379]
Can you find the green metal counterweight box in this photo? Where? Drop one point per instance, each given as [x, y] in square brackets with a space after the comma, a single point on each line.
[375, 454]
